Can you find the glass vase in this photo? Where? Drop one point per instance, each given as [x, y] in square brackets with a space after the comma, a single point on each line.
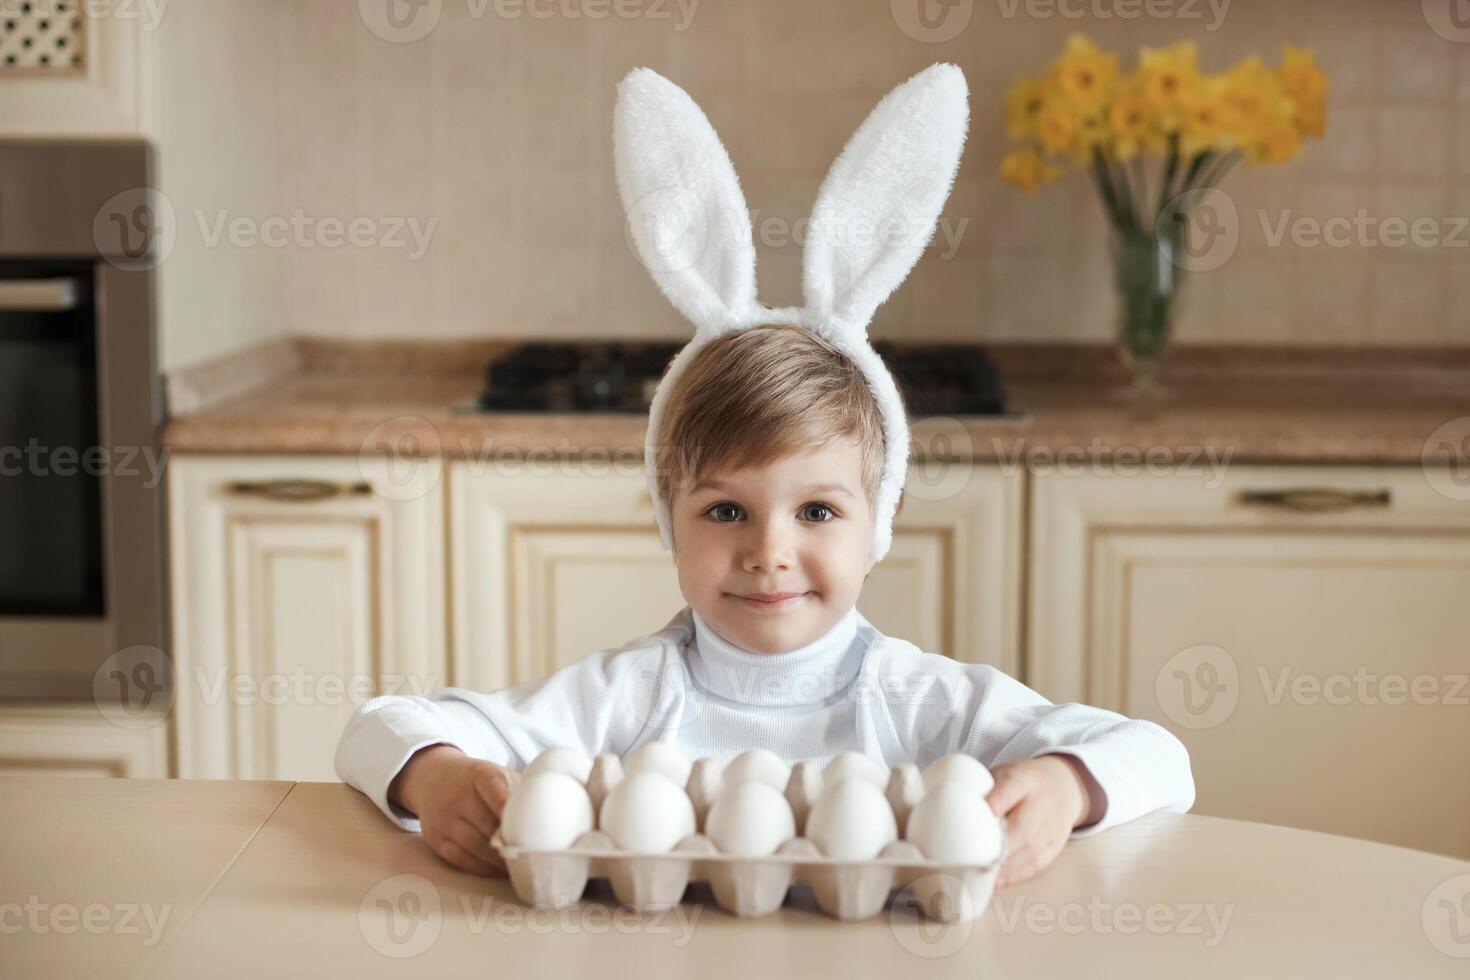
[1147, 280]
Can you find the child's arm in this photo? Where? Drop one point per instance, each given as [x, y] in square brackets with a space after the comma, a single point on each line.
[598, 704]
[1062, 770]
[458, 801]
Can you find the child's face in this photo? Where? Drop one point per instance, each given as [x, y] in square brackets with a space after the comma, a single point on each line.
[799, 526]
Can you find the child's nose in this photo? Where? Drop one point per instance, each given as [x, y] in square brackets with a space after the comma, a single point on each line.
[769, 547]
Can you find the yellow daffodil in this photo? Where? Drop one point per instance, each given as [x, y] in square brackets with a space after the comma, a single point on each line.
[1169, 77]
[1129, 120]
[1027, 170]
[1203, 122]
[1307, 87]
[1024, 102]
[1092, 132]
[1257, 110]
[1278, 144]
[1084, 73]
[1083, 107]
[1248, 91]
[1057, 127]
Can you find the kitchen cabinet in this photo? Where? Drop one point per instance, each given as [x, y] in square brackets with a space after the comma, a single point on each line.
[1299, 628]
[77, 739]
[301, 587]
[100, 83]
[549, 567]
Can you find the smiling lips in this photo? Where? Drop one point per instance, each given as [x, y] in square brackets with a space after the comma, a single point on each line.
[771, 600]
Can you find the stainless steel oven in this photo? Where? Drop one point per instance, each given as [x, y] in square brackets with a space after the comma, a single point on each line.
[81, 564]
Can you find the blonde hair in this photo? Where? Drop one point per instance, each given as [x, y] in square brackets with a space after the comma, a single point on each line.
[755, 395]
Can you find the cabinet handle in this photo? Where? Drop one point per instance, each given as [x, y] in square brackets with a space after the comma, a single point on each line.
[1315, 500]
[37, 295]
[297, 491]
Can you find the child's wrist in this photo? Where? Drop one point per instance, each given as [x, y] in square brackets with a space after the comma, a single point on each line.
[405, 790]
[1087, 798]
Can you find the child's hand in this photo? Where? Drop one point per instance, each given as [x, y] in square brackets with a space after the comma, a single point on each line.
[458, 800]
[1042, 799]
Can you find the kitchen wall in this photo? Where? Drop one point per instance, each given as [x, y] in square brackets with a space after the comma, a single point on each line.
[200, 80]
[217, 109]
[490, 138]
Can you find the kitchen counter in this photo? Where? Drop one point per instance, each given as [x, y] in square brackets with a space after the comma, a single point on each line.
[279, 879]
[1241, 405]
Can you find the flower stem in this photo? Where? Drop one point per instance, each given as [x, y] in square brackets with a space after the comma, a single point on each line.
[1223, 164]
[1169, 172]
[1105, 188]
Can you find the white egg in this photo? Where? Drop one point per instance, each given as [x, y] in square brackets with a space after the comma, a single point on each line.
[852, 821]
[750, 819]
[954, 825]
[546, 812]
[959, 768]
[647, 813]
[659, 757]
[761, 765]
[855, 765]
[570, 761]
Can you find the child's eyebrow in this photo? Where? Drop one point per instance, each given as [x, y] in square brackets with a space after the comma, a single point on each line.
[814, 488]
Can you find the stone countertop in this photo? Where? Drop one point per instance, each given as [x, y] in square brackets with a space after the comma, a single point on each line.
[1269, 406]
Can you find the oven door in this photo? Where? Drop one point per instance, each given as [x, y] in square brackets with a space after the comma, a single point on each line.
[51, 564]
[79, 475]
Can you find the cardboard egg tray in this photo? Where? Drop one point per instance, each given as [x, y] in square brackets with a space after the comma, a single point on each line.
[753, 886]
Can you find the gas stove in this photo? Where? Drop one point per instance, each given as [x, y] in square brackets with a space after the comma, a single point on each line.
[620, 377]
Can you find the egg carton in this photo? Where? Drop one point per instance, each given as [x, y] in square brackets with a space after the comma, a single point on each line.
[754, 886]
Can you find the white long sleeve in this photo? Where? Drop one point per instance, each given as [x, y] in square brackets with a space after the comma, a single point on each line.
[936, 705]
[852, 689]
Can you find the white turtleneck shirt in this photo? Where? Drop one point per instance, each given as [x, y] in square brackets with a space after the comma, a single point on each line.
[852, 689]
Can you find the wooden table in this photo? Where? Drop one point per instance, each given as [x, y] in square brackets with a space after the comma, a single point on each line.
[155, 878]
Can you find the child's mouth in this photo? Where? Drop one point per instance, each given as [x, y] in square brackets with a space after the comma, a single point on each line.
[770, 600]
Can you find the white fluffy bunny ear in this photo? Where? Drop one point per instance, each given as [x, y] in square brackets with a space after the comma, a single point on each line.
[686, 214]
[879, 205]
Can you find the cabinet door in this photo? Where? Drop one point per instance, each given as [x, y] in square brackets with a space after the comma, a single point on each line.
[549, 568]
[64, 739]
[1313, 660]
[301, 587]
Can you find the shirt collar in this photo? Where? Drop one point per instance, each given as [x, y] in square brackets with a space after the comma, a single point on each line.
[816, 673]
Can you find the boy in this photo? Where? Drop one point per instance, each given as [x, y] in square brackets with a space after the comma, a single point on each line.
[770, 450]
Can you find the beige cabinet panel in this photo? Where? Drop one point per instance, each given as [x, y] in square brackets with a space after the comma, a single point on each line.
[289, 613]
[547, 569]
[1313, 662]
[65, 739]
[112, 93]
[951, 583]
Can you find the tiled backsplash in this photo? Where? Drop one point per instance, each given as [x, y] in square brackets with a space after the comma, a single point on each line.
[492, 133]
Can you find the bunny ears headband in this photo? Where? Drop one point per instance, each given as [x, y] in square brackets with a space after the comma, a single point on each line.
[875, 213]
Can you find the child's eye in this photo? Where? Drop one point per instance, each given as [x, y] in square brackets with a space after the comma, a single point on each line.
[728, 513]
[721, 513]
[818, 509]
